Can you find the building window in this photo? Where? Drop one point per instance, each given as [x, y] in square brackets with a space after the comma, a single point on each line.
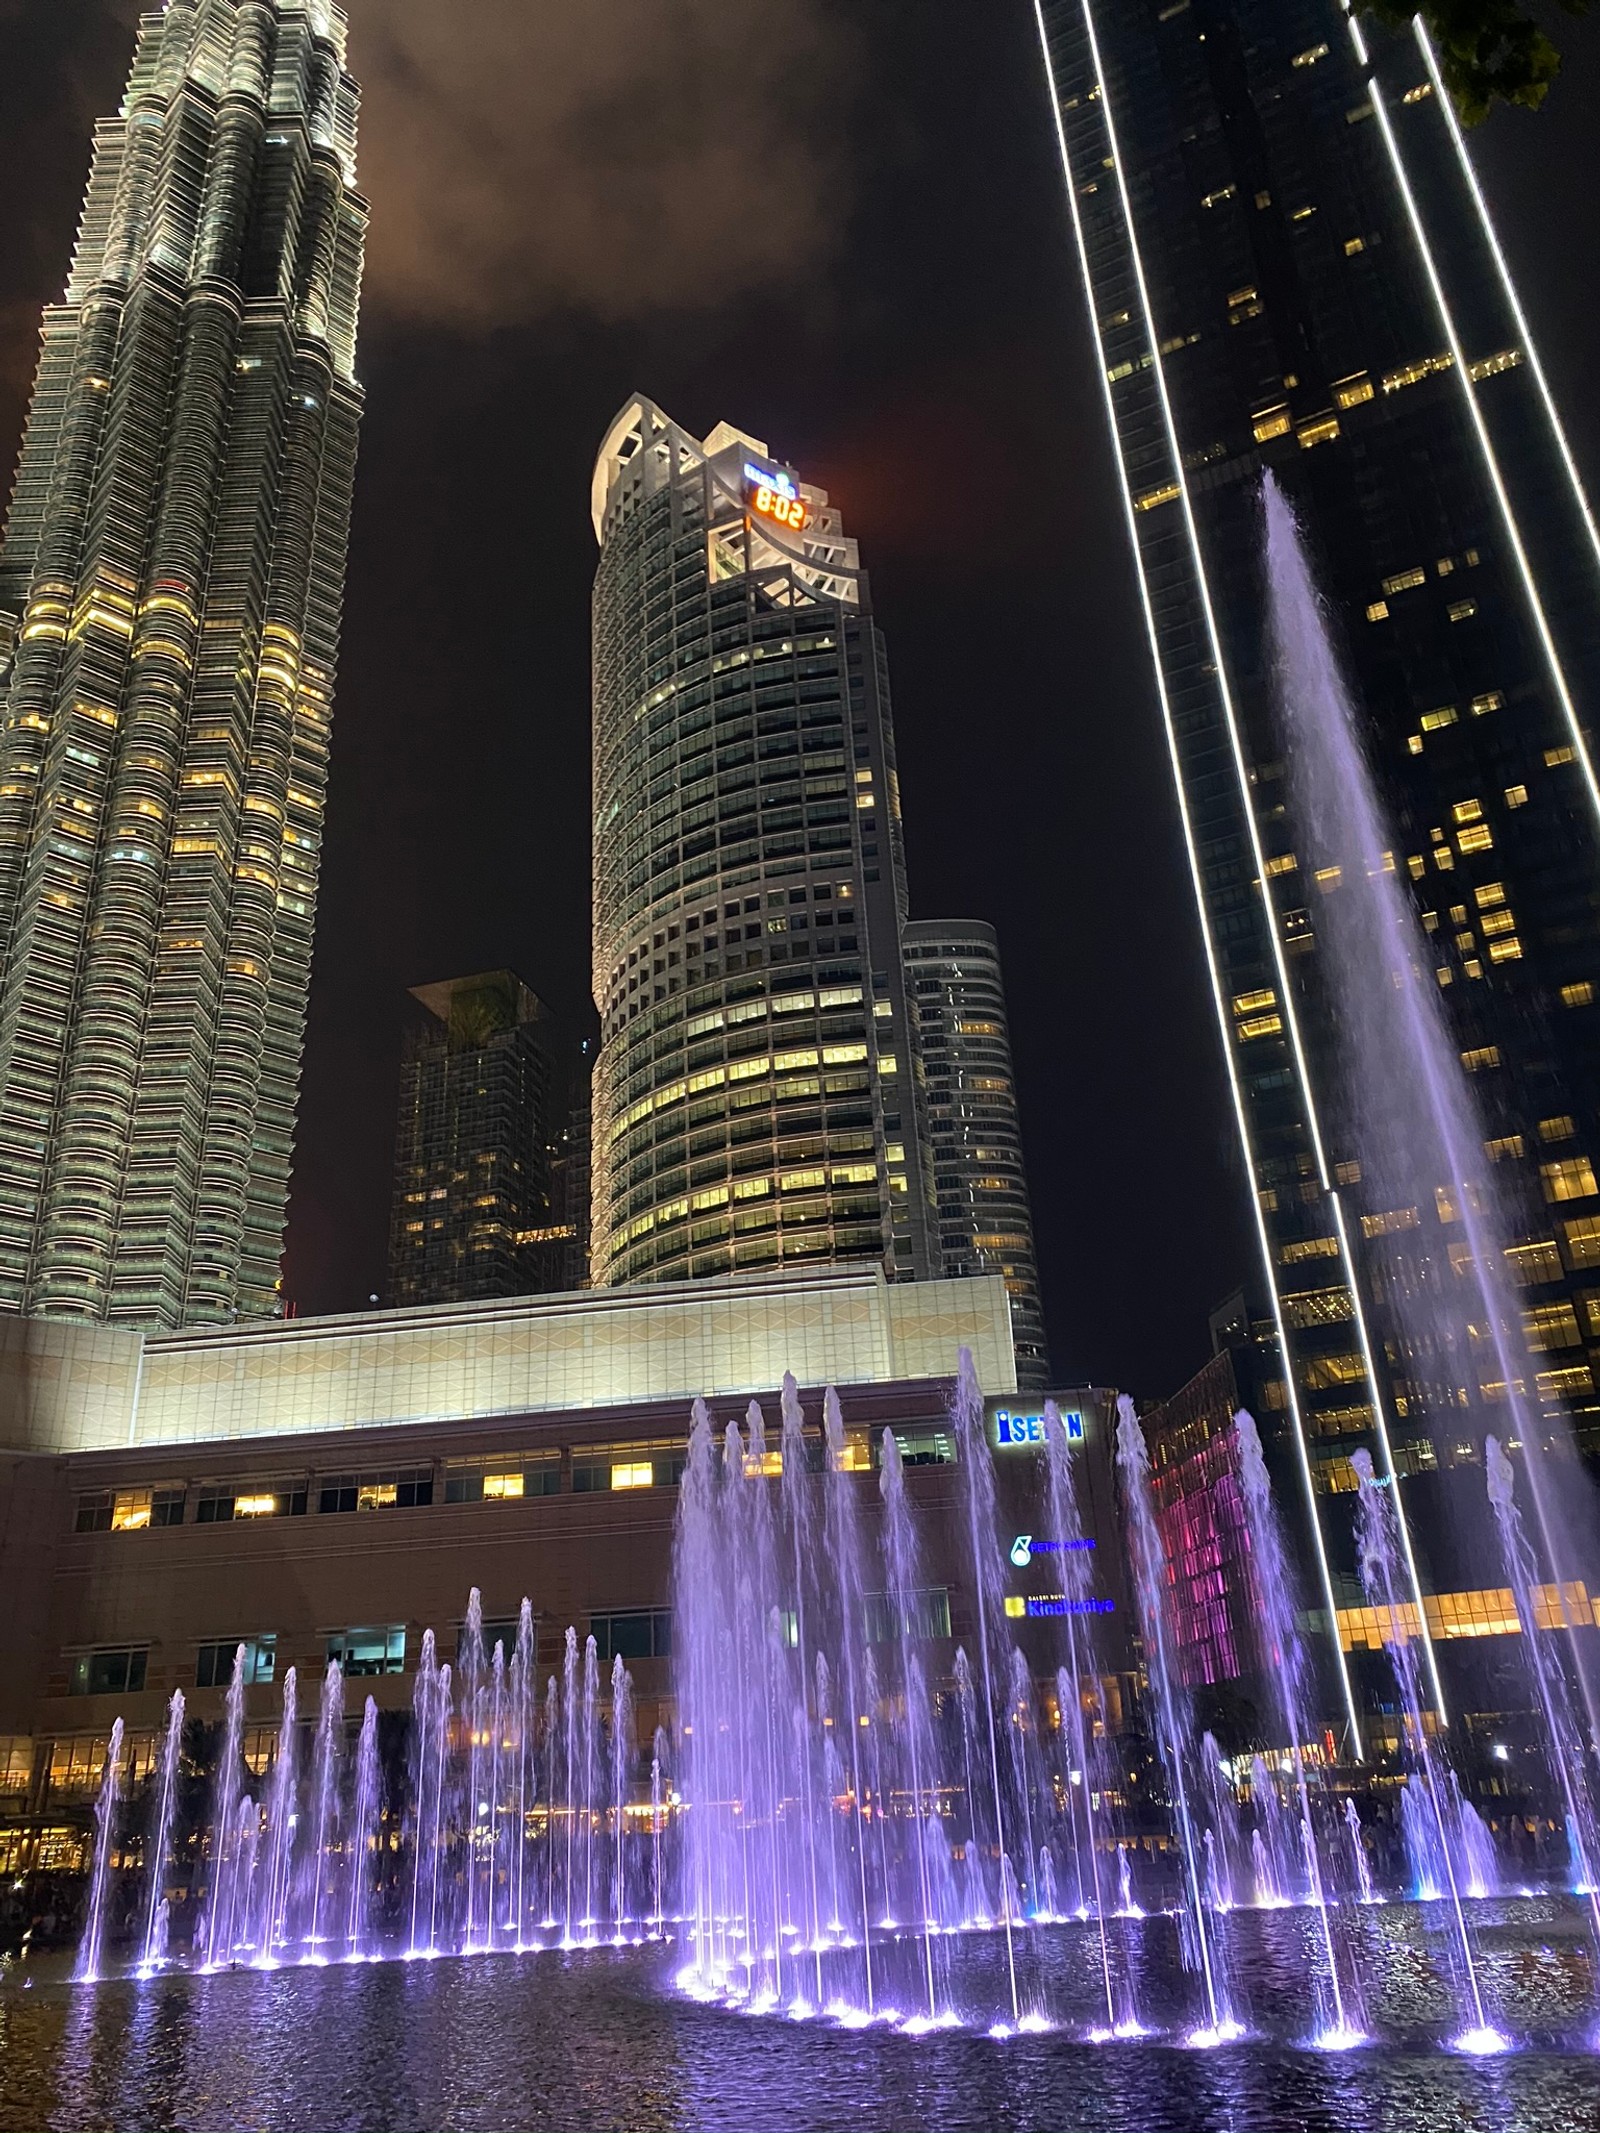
[213, 1665]
[380, 1650]
[637, 1633]
[219, 1501]
[628, 1466]
[923, 1613]
[110, 1673]
[1551, 1326]
[1571, 1179]
[128, 1510]
[922, 1447]
[403, 1489]
[503, 1478]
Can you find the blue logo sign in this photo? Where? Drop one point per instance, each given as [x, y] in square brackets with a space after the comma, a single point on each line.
[1026, 1546]
[778, 480]
[1029, 1428]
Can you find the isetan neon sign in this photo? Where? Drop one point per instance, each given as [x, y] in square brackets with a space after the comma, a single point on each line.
[1012, 1428]
[774, 496]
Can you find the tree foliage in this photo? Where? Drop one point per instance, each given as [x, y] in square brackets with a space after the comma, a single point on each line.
[1489, 50]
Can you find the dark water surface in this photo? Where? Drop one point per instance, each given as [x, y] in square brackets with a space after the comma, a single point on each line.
[597, 2039]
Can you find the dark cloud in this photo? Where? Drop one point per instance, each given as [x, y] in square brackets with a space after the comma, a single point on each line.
[616, 157]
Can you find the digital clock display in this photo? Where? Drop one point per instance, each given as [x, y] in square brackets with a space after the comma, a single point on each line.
[772, 494]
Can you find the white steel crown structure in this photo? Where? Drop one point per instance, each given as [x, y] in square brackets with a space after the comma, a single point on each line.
[170, 581]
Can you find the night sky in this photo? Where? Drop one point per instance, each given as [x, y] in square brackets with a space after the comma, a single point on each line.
[837, 224]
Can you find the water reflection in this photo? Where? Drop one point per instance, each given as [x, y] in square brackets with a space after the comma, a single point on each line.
[597, 2038]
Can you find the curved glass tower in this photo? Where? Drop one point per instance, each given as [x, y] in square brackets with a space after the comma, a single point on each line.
[757, 1095]
[170, 585]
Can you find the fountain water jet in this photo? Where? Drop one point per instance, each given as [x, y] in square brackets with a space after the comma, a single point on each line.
[91, 1954]
[1341, 2016]
[1148, 1562]
[1379, 1548]
[156, 1915]
[1415, 1130]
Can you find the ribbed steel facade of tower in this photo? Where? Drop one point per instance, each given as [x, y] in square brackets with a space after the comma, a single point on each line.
[1289, 264]
[174, 561]
[974, 1130]
[757, 1094]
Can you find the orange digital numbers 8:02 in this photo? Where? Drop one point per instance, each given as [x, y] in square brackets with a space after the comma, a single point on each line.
[772, 503]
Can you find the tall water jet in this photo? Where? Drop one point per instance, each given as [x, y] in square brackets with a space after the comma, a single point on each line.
[570, 1740]
[708, 1899]
[621, 1784]
[843, 1543]
[430, 1757]
[591, 1775]
[492, 1808]
[474, 1717]
[1341, 2016]
[1202, 1938]
[325, 1777]
[272, 1924]
[155, 1916]
[982, 1536]
[220, 1931]
[1378, 1544]
[657, 1813]
[900, 1553]
[1405, 1097]
[92, 1951]
[1571, 1755]
[366, 1816]
[797, 1512]
[524, 1690]
[1079, 1680]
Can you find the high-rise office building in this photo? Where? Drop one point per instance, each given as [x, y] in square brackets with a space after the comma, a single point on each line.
[985, 1223]
[757, 1094]
[1289, 265]
[173, 563]
[490, 1149]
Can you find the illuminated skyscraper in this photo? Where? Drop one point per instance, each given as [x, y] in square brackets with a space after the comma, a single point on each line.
[173, 565]
[756, 1095]
[1289, 264]
[975, 1139]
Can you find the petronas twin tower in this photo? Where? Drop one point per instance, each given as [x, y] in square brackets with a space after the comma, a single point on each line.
[170, 586]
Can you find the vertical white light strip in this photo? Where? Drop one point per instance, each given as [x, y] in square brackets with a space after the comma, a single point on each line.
[1530, 353]
[1218, 990]
[1485, 445]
